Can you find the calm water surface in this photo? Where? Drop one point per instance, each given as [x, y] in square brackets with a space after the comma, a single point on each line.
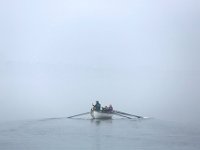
[80, 134]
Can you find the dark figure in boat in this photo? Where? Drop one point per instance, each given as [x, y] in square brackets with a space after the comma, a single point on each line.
[107, 109]
[110, 108]
[97, 106]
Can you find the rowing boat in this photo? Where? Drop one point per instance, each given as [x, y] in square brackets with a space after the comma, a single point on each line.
[101, 115]
[106, 114]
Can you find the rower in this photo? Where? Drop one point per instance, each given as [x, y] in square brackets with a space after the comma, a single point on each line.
[110, 108]
[97, 106]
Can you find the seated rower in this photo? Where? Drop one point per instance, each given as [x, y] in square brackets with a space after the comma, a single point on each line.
[97, 106]
[105, 109]
[110, 108]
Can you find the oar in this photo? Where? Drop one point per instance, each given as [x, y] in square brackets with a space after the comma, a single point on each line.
[128, 114]
[115, 113]
[78, 115]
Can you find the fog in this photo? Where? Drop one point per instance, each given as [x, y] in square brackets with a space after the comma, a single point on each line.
[59, 57]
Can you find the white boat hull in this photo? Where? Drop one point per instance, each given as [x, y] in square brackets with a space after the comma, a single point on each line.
[101, 115]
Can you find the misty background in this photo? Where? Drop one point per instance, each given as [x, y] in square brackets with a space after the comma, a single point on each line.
[57, 57]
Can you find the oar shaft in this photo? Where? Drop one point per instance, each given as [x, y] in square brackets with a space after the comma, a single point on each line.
[121, 115]
[78, 115]
[128, 114]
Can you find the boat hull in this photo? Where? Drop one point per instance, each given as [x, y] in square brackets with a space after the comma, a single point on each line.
[101, 115]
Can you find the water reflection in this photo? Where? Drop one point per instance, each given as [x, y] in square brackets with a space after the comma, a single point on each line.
[99, 121]
[100, 128]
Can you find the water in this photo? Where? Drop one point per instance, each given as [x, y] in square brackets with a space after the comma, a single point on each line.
[86, 134]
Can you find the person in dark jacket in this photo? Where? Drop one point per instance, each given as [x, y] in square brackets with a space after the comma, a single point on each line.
[97, 106]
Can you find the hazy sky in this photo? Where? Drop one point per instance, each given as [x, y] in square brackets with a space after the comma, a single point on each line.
[59, 56]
